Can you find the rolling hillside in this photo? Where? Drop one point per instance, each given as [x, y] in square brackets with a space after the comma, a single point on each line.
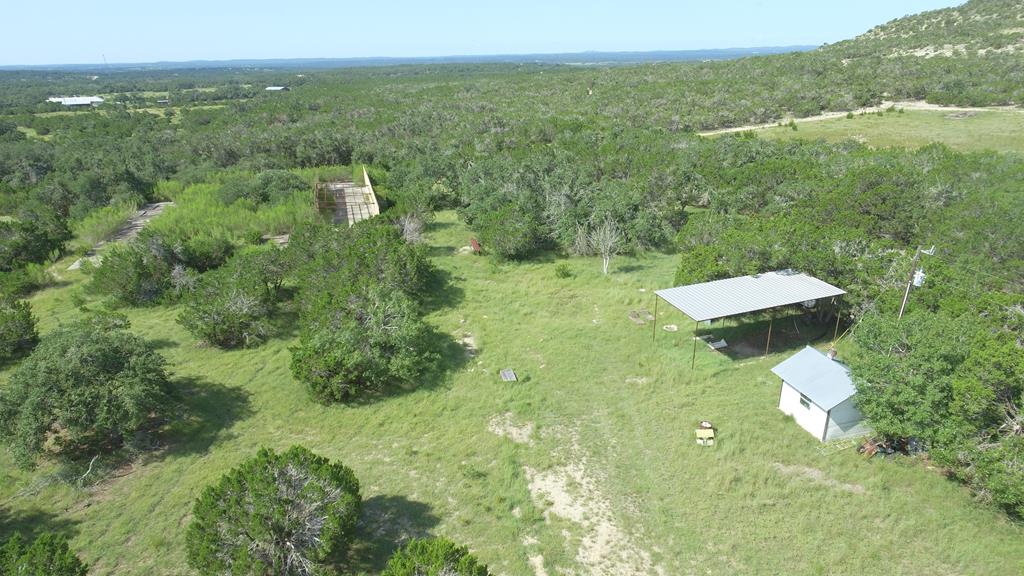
[977, 28]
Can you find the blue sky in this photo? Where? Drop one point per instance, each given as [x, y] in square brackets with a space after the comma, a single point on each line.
[61, 31]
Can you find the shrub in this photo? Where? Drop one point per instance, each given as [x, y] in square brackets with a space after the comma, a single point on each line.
[151, 268]
[26, 241]
[137, 273]
[84, 390]
[15, 283]
[270, 186]
[48, 555]
[434, 557]
[275, 186]
[360, 321]
[23, 281]
[369, 254]
[269, 263]
[18, 333]
[509, 233]
[204, 252]
[699, 264]
[275, 513]
[238, 188]
[377, 339]
[230, 306]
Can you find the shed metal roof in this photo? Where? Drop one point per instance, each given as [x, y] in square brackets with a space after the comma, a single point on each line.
[826, 382]
[732, 296]
[75, 100]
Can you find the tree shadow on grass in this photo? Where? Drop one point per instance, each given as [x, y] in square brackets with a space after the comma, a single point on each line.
[207, 412]
[748, 339]
[441, 291]
[630, 268]
[441, 250]
[434, 226]
[202, 414]
[387, 523]
[162, 344]
[452, 355]
[285, 321]
[33, 523]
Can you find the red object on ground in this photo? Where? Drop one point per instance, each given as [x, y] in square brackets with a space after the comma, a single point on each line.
[475, 245]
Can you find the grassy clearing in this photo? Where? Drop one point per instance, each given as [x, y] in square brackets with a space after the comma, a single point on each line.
[32, 133]
[612, 415]
[60, 113]
[1000, 130]
[161, 110]
[157, 111]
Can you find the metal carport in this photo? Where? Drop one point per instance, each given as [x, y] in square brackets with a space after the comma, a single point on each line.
[742, 295]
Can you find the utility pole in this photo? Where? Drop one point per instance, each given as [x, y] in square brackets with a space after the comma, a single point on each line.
[910, 279]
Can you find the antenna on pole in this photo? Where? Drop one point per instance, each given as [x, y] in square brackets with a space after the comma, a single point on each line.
[916, 277]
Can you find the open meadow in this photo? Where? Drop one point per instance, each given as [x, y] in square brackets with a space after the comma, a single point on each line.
[203, 370]
[586, 465]
[967, 131]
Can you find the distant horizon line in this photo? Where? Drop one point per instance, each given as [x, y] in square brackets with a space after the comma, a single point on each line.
[588, 56]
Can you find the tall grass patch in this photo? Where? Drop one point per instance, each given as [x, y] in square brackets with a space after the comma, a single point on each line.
[200, 210]
[101, 224]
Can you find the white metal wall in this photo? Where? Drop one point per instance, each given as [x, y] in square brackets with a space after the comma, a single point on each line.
[812, 419]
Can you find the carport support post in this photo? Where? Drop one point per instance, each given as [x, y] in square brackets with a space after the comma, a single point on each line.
[835, 310]
[693, 358]
[654, 324]
[769, 343]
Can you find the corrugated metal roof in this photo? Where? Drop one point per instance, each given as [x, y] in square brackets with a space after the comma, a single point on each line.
[826, 382]
[75, 100]
[732, 296]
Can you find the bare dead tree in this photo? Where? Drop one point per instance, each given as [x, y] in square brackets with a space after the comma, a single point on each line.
[606, 240]
[183, 280]
[411, 227]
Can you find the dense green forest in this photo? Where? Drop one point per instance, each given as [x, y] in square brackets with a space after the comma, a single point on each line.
[540, 162]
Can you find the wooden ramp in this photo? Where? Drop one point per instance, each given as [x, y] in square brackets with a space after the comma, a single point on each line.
[350, 202]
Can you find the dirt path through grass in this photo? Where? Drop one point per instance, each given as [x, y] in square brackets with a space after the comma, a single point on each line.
[128, 231]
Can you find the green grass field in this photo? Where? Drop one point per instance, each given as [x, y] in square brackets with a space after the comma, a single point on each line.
[1000, 130]
[586, 465]
[31, 133]
[158, 111]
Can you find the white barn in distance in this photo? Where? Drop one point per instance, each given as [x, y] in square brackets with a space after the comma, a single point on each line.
[818, 393]
[76, 100]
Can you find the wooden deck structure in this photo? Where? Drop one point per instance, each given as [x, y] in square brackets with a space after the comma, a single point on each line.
[350, 202]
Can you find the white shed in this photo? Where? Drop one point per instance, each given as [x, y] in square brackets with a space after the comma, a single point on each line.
[819, 394]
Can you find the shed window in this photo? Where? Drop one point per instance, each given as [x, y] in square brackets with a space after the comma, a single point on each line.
[805, 401]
